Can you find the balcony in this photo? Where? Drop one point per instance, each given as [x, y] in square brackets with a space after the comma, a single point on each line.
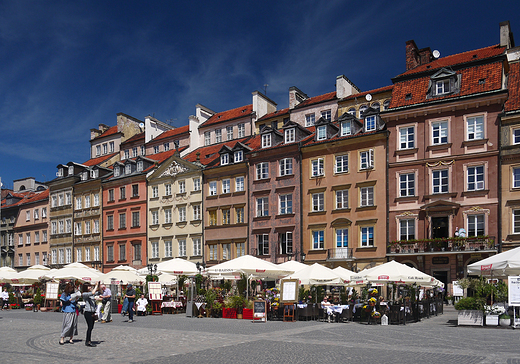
[479, 243]
[339, 254]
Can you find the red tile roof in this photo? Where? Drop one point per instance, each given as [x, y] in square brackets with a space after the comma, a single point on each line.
[172, 133]
[209, 155]
[110, 131]
[220, 117]
[317, 99]
[513, 102]
[95, 161]
[27, 197]
[275, 114]
[135, 138]
[372, 92]
[457, 59]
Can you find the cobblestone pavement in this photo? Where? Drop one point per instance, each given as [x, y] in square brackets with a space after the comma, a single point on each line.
[27, 336]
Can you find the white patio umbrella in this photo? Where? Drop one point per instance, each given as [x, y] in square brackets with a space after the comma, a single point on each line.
[499, 265]
[167, 279]
[30, 275]
[122, 274]
[6, 273]
[175, 266]
[344, 273]
[293, 265]
[76, 271]
[393, 272]
[250, 266]
[317, 274]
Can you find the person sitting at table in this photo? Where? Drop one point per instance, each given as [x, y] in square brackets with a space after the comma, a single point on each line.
[330, 313]
[141, 306]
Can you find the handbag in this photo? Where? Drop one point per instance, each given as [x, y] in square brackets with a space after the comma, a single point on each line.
[125, 306]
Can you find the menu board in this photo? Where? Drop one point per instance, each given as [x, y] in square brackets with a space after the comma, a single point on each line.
[260, 311]
[513, 290]
[458, 291]
[51, 291]
[154, 291]
[289, 290]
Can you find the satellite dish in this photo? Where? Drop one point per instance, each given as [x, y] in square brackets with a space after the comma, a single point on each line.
[368, 97]
[436, 54]
[141, 125]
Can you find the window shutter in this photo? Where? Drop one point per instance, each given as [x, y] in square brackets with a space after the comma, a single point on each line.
[371, 158]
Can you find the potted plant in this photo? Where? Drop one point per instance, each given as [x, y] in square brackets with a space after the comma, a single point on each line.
[449, 299]
[38, 299]
[238, 303]
[470, 311]
[504, 319]
[492, 314]
[210, 296]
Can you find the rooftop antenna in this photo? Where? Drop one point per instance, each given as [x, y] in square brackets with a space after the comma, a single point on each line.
[265, 89]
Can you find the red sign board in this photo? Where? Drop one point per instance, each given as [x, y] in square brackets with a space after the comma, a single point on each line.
[486, 267]
[383, 277]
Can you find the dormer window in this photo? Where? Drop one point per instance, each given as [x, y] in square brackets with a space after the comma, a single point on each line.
[352, 111]
[443, 82]
[370, 123]
[93, 173]
[59, 173]
[239, 156]
[322, 132]
[128, 169]
[139, 166]
[290, 135]
[84, 176]
[442, 87]
[266, 140]
[346, 128]
[117, 171]
[224, 159]
[71, 170]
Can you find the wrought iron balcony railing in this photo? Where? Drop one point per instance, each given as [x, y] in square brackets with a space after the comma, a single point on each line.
[477, 243]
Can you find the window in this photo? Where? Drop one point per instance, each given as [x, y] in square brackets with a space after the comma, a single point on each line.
[166, 148]
[155, 217]
[516, 177]
[407, 229]
[318, 237]
[122, 252]
[61, 256]
[224, 159]
[367, 236]
[182, 247]
[318, 201]
[262, 170]
[167, 216]
[37, 258]
[28, 257]
[197, 247]
[36, 237]
[134, 152]
[182, 214]
[386, 104]
[110, 253]
[239, 212]
[239, 184]
[241, 130]
[87, 254]
[309, 120]
[516, 221]
[111, 195]
[54, 228]
[226, 251]
[87, 201]
[341, 163]
[155, 249]
[440, 181]
[122, 221]
[475, 178]
[239, 156]
[54, 201]
[110, 222]
[44, 212]
[68, 198]
[96, 200]
[516, 136]
[241, 249]
[196, 212]
[442, 87]
[155, 149]
[61, 225]
[407, 137]
[352, 111]
[475, 127]
[327, 115]
[290, 135]
[370, 123]
[406, 184]
[155, 191]
[213, 188]
[207, 138]
[226, 185]
[135, 190]
[168, 189]
[28, 239]
[96, 227]
[213, 217]
[362, 110]
[196, 184]
[68, 225]
[346, 127]
[263, 244]
[229, 132]
[96, 253]
[317, 167]
[182, 186]
[122, 192]
[27, 215]
[321, 132]
[366, 159]
[168, 248]
[342, 199]
[341, 238]
[262, 206]
[111, 147]
[98, 150]
[266, 140]
[285, 204]
[87, 227]
[367, 196]
[77, 228]
[143, 150]
[127, 153]
[286, 167]
[286, 242]
[476, 225]
[105, 148]
[440, 132]
[218, 135]
[137, 251]
[36, 214]
[213, 252]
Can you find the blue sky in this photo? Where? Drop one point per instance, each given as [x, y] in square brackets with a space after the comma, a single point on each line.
[67, 66]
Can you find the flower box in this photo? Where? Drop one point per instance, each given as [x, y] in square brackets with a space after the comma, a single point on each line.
[247, 314]
[229, 313]
[491, 320]
[470, 317]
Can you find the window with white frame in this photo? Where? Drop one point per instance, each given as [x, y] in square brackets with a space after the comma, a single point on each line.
[44, 212]
[98, 150]
[20, 239]
[327, 115]
[318, 201]
[87, 227]
[155, 191]
[367, 236]
[475, 127]
[239, 183]
[36, 214]
[352, 111]
[105, 148]
[143, 150]
[167, 216]
[28, 215]
[475, 178]
[226, 251]
[407, 137]
[96, 227]
[77, 228]
[54, 256]
[439, 132]
[240, 249]
[406, 184]
[218, 135]
[342, 199]
[440, 181]
[366, 159]
[263, 244]
[207, 138]
[285, 203]
[516, 177]
[262, 170]
[213, 188]
[262, 206]
[346, 128]
[28, 256]
[182, 186]
[79, 255]
[318, 239]
[27, 238]
[286, 167]
[196, 184]
[366, 195]
[61, 256]
[266, 140]
[168, 250]
[155, 149]
[36, 237]
[370, 123]
[68, 225]
[182, 214]
[321, 132]
[155, 217]
[224, 159]
[122, 220]
[516, 136]
[96, 200]
[239, 213]
[213, 252]
[238, 156]
[197, 247]
[87, 201]
[37, 258]
[286, 242]
[68, 198]
[342, 238]
[341, 163]
[442, 87]
[96, 253]
[310, 119]
[168, 189]
[229, 132]
[155, 249]
[226, 216]
[54, 227]
[516, 221]
[241, 130]
[182, 247]
[122, 193]
[362, 110]
[476, 225]
[407, 229]
[128, 168]
[61, 226]
[196, 212]
[87, 254]
[317, 167]
[54, 201]
[290, 135]
[226, 185]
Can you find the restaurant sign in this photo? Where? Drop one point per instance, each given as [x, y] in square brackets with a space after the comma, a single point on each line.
[440, 260]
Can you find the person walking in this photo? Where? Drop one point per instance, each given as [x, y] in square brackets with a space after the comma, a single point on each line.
[106, 302]
[70, 319]
[130, 294]
[90, 308]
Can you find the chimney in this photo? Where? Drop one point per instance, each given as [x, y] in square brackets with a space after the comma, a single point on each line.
[103, 128]
[296, 96]
[345, 87]
[506, 35]
[425, 55]
[412, 55]
[94, 133]
[262, 105]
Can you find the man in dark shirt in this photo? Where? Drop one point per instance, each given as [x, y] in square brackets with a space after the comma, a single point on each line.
[130, 294]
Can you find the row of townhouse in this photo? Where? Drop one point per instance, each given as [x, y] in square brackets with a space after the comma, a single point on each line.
[425, 171]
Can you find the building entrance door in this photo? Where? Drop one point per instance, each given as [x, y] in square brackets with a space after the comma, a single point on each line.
[440, 227]
[442, 276]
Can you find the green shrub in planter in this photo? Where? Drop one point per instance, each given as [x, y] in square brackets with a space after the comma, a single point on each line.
[470, 303]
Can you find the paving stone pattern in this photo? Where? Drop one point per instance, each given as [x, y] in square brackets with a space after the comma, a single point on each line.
[33, 337]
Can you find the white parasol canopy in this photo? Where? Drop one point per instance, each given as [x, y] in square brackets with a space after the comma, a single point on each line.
[317, 274]
[167, 279]
[393, 272]
[76, 271]
[30, 275]
[292, 265]
[249, 265]
[500, 265]
[6, 273]
[175, 266]
[344, 273]
[122, 274]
